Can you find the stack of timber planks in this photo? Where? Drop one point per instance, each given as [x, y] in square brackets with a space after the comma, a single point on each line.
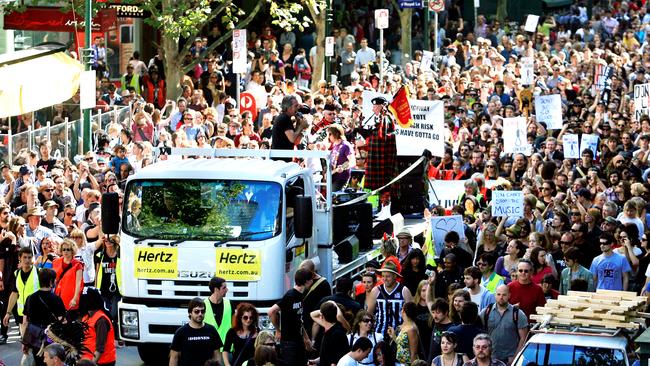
[603, 308]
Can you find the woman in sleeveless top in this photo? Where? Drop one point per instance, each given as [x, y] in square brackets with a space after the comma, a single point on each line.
[407, 340]
[363, 326]
[449, 357]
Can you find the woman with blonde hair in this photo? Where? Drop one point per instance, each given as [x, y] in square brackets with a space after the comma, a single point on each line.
[264, 343]
[69, 275]
[85, 253]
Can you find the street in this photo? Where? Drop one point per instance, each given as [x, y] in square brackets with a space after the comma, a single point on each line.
[11, 354]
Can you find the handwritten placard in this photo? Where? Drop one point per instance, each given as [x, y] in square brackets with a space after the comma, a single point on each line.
[507, 203]
[589, 142]
[548, 109]
[641, 100]
[514, 136]
[441, 225]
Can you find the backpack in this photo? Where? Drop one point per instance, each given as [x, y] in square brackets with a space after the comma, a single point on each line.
[488, 310]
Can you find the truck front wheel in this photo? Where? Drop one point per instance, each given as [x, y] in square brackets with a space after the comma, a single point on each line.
[151, 354]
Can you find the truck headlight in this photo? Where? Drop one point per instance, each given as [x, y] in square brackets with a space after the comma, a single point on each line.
[129, 324]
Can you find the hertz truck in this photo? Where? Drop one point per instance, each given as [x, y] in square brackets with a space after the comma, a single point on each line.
[235, 214]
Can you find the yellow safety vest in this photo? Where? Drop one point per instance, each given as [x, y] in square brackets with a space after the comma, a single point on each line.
[226, 318]
[25, 289]
[493, 282]
[430, 248]
[135, 83]
[118, 274]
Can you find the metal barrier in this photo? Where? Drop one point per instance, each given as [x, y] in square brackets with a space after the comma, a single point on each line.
[66, 137]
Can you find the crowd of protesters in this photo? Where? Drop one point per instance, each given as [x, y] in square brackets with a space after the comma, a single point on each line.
[585, 223]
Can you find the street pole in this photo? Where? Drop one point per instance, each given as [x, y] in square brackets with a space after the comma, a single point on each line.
[328, 20]
[427, 33]
[87, 130]
[435, 33]
[381, 56]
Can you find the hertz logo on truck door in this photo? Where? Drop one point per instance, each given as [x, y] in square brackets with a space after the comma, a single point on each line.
[156, 263]
[239, 264]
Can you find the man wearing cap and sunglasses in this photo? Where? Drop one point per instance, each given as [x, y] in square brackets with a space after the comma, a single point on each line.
[386, 300]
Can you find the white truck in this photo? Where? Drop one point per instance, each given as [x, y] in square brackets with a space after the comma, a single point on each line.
[235, 214]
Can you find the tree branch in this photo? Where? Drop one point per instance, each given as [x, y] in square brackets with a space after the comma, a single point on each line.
[224, 37]
[190, 39]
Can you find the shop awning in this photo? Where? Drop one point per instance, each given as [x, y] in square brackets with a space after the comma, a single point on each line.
[557, 3]
[36, 78]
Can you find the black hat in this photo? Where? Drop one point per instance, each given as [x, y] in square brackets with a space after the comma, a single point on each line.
[379, 101]
[304, 109]
[331, 107]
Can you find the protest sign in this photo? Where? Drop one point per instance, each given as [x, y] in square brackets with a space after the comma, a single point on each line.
[527, 70]
[641, 100]
[426, 132]
[239, 51]
[329, 46]
[514, 136]
[441, 225]
[548, 109]
[507, 203]
[570, 146]
[427, 58]
[589, 142]
[445, 193]
[531, 23]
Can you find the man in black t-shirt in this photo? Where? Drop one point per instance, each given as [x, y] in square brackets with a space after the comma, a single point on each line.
[195, 342]
[285, 135]
[286, 317]
[335, 342]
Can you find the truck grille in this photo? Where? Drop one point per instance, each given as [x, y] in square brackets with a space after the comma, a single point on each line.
[189, 289]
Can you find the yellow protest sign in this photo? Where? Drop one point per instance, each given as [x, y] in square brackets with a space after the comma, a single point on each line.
[239, 264]
[156, 263]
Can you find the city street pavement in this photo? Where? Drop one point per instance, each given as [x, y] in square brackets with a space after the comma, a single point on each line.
[11, 353]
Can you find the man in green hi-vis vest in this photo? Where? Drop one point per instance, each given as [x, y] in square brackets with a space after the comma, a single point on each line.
[218, 311]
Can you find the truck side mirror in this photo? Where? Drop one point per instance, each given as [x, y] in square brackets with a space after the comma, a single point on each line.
[303, 217]
[110, 213]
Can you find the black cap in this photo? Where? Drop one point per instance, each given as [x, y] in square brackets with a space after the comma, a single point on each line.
[304, 109]
[379, 101]
[330, 107]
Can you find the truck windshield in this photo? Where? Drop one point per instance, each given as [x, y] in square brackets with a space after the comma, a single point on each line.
[536, 354]
[190, 209]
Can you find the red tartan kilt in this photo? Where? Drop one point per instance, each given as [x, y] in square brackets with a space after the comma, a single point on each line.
[381, 162]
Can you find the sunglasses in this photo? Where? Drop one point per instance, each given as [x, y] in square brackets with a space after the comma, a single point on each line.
[69, 214]
[523, 270]
[198, 311]
[366, 320]
[604, 243]
[49, 190]
[66, 249]
[246, 317]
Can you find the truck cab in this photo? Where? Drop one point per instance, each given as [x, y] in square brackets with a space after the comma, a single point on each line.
[250, 221]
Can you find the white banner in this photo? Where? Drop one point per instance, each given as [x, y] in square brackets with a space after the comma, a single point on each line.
[570, 146]
[239, 51]
[445, 193]
[514, 136]
[527, 71]
[507, 203]
[641, 100]
[426, 132]
[548, 109]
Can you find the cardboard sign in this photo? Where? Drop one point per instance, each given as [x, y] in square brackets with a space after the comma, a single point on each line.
[445, 193]
[239, 51]
[641, 100]
[427, 59]
[589, 142]
[426, 132]
[239, 264]
[531, 23]
[155, 263]
[507, 203]
[570, 146]
[514, 136]
[441, 225]
[329, 46]
[527, 70]
[548, 109]
[381, 18]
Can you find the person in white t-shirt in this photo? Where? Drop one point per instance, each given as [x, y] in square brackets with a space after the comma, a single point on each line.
[360, 351]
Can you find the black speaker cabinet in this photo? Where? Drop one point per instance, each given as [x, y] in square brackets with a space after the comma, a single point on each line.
[355, 219]
[347, 249]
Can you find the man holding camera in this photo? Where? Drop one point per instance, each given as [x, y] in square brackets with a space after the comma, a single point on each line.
[288, 126]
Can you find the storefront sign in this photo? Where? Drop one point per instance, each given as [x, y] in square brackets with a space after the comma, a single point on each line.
[130, 11]
[54, 20]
